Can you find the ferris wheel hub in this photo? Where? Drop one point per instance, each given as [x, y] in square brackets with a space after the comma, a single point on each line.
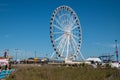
[68, 32]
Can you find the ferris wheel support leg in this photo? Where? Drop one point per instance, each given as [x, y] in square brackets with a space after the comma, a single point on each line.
[67, 48]
[52, 54]
[82, 56]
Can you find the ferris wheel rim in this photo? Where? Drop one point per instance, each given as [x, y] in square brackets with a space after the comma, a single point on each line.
[65, 31]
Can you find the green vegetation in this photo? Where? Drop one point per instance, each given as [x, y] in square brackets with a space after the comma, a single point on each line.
[49, 72]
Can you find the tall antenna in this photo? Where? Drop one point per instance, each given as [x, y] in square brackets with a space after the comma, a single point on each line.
[35, 54]
[116, 50]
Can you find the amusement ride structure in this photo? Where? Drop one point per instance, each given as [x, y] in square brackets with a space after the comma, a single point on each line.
[65, 34]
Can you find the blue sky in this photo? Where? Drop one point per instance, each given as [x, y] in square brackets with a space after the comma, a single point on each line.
[24, 25]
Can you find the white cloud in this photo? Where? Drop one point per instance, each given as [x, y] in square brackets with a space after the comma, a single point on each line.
[113, 45]
[106, 45]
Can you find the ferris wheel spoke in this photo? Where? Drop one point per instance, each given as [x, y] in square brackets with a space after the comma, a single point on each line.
[75, 36]
[59, 47]
[73, 23]
[75, 44]
[61, 41]
[71, 19]
[58, 32]
[58, 22]
[58, 27]
[59, 37]
[75, 32]
[65, 22]
[67, 18]
[64, 47]
[74, 27]
[71, 49]
[67, 47]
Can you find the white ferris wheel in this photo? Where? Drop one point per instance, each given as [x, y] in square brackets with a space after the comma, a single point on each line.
[65, 33]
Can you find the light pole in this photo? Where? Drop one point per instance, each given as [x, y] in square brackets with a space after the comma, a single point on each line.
[16, 52]
[116, 48]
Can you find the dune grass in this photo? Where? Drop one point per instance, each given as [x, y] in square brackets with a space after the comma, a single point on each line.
[48, 72]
